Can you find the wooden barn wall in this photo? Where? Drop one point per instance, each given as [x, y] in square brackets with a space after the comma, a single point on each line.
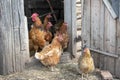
[13, 36]
[101, 32]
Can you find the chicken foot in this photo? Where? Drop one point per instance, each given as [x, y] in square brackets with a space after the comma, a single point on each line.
[53, 69]
[84, 75]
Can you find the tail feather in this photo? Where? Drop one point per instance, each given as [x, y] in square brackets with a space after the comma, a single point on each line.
[37, 55]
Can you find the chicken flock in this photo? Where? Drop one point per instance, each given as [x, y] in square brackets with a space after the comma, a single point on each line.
[48, 47]
[44, 45]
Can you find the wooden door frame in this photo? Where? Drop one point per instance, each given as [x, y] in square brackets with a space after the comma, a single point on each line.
[70, 18]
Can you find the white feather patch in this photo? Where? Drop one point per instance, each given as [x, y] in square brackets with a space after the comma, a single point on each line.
[37, 55]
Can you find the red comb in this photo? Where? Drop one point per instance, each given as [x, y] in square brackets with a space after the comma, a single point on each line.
[34, 15]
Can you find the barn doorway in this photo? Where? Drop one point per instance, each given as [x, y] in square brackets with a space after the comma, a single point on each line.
[70, 13]
[43, 7]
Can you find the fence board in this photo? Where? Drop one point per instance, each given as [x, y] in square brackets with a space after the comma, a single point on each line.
[117, 69]
[67, 10]
[86, 22]
[95, 10]
[6, 37]
[110, 39]
[101, 39]
[74, 27]
[70, 18]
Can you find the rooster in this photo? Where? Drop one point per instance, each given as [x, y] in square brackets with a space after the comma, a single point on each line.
[50, 55]
[86, 62]
[36, 21]
[37, 33]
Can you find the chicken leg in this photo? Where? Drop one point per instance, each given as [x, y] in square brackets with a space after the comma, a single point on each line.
[53, 69]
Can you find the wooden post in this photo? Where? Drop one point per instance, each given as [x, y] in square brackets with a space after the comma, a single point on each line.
[13, 36]
[70, 18]
[74, 27]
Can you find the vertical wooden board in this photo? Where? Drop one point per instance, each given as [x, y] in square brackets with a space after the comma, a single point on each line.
[17, 49]
[95, 23]
[101, 33]
[110, 41]
[11, 16]
[74, 27]
[23, 59]
[2, 49]
[68, 19]
[117, 69]
[19, 38]
[15, 13]
[86, 22]
[16, 36]
[6, 21]
[24, 42]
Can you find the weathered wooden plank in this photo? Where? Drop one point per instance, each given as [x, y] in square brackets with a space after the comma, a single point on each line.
[95, 12]
[117, 69]
[24, 42]
[17, 24]
[101, 33]
[105, 53]
[6, 37]
[17, 49]
[110, 40]
[68, 19]
[16, 14]
[10, 35]
[24, 35]
[86, 22]
[74, 27]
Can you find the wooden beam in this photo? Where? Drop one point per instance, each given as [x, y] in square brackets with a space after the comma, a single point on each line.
[104, 53]
[109, 6]
[67, 18]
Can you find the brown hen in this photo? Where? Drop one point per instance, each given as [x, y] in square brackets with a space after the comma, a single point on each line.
[86, 62]
[50, 55]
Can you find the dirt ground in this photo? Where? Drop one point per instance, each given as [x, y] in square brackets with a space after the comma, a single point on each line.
[36, 71]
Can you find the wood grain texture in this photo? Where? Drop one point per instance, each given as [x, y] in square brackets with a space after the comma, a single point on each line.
[67, 18]
[110, 40]
[70, 18]
[74, 27]
[13, 36]
[103, 34]
[95, 44]
[117, 65]
[86, 22]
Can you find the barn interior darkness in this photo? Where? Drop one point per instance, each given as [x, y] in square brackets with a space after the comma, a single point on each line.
[42, 7]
